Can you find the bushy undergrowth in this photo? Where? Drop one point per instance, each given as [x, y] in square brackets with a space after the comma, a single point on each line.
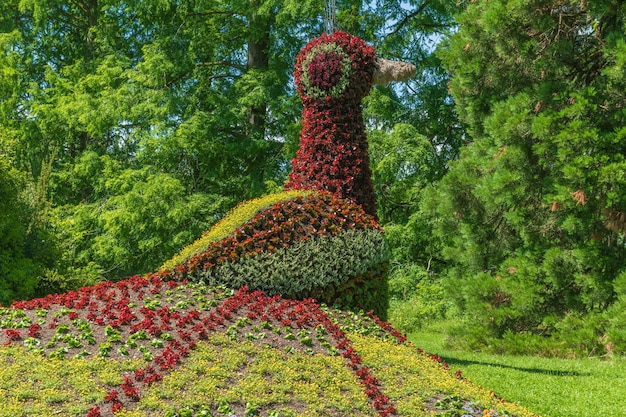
[148, 347]
[505, 318]
[415, 298]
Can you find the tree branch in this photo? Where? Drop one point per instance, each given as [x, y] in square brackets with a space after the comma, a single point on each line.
[221, 63]
[410, 16]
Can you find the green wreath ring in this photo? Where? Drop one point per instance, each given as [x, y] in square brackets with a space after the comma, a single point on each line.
[311, 87]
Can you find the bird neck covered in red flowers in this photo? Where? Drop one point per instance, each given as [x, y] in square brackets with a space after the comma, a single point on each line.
[333, 73]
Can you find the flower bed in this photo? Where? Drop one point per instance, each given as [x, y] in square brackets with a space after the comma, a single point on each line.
[160, 322]
[227, 225]
[156, 324]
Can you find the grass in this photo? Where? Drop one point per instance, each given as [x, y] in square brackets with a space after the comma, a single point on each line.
[552, 387]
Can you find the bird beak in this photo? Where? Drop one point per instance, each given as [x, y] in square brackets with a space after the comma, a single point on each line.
[387, 71]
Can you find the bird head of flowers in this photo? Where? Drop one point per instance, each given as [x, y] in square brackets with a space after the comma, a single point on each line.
[342, 66]
[337, 66]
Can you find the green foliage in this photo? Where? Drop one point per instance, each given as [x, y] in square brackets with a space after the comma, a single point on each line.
[25, 247]
[307, 267]
[366, 292]
[15, 268]
[615, 317]
[145, 217]
[416, 298]
[406, 158]
[416, 294]
[529, 215]
[413, 129]
[63, 279]
[113, 94]
[402, 165]
[109, 92]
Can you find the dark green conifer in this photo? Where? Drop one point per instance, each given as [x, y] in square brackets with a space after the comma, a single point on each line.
[531, 214]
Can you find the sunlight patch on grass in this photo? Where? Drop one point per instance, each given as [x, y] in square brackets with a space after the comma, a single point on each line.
[550, 387]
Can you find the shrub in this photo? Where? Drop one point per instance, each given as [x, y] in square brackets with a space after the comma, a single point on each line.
[426, 305]
[616, 319]
[53, 281]
[416, 297]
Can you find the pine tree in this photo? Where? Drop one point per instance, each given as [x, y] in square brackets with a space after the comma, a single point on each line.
[531, 215]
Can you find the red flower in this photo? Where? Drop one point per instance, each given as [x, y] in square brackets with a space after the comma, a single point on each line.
[129, 389]
[140, 374]
[152, 378]
[94, 412]
[111, 396]
[33, 330]
[13, 334]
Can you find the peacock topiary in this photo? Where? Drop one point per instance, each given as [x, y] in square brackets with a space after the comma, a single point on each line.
[157, 346]
[319, 239]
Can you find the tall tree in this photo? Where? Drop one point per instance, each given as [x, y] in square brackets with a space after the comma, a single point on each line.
[25, 250]
[17, 270]
[146, 111]
[531, 213]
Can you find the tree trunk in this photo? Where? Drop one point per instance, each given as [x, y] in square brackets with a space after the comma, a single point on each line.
[258, 58]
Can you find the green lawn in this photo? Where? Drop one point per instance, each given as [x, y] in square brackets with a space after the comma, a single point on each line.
[549, 387]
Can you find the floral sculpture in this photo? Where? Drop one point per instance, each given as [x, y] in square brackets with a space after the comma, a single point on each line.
[333, 74]
[323, 241]
[320, 240]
